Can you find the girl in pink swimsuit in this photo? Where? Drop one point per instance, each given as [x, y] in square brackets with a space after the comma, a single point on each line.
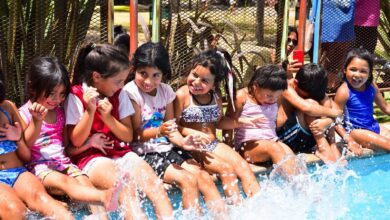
[260, 99]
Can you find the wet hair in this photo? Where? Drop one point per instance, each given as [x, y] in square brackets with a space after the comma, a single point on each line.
[313, 79]
[213, 60]
[363, 54]
[105, 59]
[152, 55]
[271, 76]
[45, 74]
[2, 87]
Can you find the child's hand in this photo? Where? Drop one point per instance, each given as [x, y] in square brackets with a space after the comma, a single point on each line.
[37, 111]
[319, 126]
[105, 107]
[10, 132]
[90, 97]
[100, 142]
[167, 128]
[251, 122]
[191, 142]
[201, 140]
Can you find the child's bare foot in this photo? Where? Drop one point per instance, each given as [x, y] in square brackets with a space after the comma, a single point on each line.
[112, 195]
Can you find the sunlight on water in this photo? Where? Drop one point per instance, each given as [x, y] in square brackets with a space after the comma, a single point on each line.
[358, 191]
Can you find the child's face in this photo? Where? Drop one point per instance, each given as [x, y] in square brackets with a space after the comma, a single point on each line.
[55, 98]
[200, 81]
[109, 86]
[266, 96]
[357, 73]
[148, 79]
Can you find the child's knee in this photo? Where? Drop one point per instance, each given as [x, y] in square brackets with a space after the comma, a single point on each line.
[17, 208]
[186, 180]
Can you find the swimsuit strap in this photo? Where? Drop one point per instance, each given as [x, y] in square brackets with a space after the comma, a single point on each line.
[6, 115]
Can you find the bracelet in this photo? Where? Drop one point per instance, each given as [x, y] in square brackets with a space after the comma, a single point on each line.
[158, 132]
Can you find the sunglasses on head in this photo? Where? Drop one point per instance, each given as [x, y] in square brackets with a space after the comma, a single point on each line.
[295, 42]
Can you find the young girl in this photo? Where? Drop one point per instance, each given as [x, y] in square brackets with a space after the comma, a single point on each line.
[25, 186]
[98, 105]
[156, 132]
[198, 109]
[260, 99]
[356, 96]
[48, 85]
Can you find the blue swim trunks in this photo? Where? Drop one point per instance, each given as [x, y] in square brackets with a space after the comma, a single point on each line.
[9, 176]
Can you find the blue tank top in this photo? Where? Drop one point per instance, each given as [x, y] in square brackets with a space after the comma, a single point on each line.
[7, 146]
[359, 110]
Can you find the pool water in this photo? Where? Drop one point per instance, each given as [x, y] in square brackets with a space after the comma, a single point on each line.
[359, 191]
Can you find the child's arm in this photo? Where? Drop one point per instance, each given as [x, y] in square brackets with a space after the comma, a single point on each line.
[98, 141]
[380, 101]
[122, 129]
[309, 108]
[341, 97]
[340, 100]
[140, 134]
[79, 132]
[15, 133]
[38, 113]
[233, 120]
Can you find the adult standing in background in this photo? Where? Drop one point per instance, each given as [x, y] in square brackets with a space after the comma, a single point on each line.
[366, 23]
[337, 36]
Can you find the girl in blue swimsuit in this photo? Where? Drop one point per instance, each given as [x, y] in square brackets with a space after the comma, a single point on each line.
[26, 188]
[356, 96]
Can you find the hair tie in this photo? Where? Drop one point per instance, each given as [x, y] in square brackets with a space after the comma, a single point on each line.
[93, 45]
[230, 79]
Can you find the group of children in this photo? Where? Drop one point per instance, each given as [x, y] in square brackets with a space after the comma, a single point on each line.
[122, 130]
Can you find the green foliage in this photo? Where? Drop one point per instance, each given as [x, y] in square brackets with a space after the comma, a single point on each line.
[384, 29]
[30, 28]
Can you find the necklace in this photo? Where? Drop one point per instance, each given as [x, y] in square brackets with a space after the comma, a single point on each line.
[203, 104]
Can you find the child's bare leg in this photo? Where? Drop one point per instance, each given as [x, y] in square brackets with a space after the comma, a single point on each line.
[324, 150]
[370, 139]
[11, 207]
[207, 187]
[32, 192]
[187, 183]
[79, 192]
[241, 168]
[106, 179]
[97, 210]
[225, 171]
[131, 202]
[263, 150]
[145, 177]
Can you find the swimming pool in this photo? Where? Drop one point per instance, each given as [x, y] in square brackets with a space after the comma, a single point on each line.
[359, 191]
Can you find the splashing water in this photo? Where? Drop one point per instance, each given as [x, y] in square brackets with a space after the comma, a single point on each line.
[356, 191]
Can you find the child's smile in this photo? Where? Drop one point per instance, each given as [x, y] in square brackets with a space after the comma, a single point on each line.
[200, 81]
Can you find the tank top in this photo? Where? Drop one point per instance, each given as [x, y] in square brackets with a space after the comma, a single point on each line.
[359, 110]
